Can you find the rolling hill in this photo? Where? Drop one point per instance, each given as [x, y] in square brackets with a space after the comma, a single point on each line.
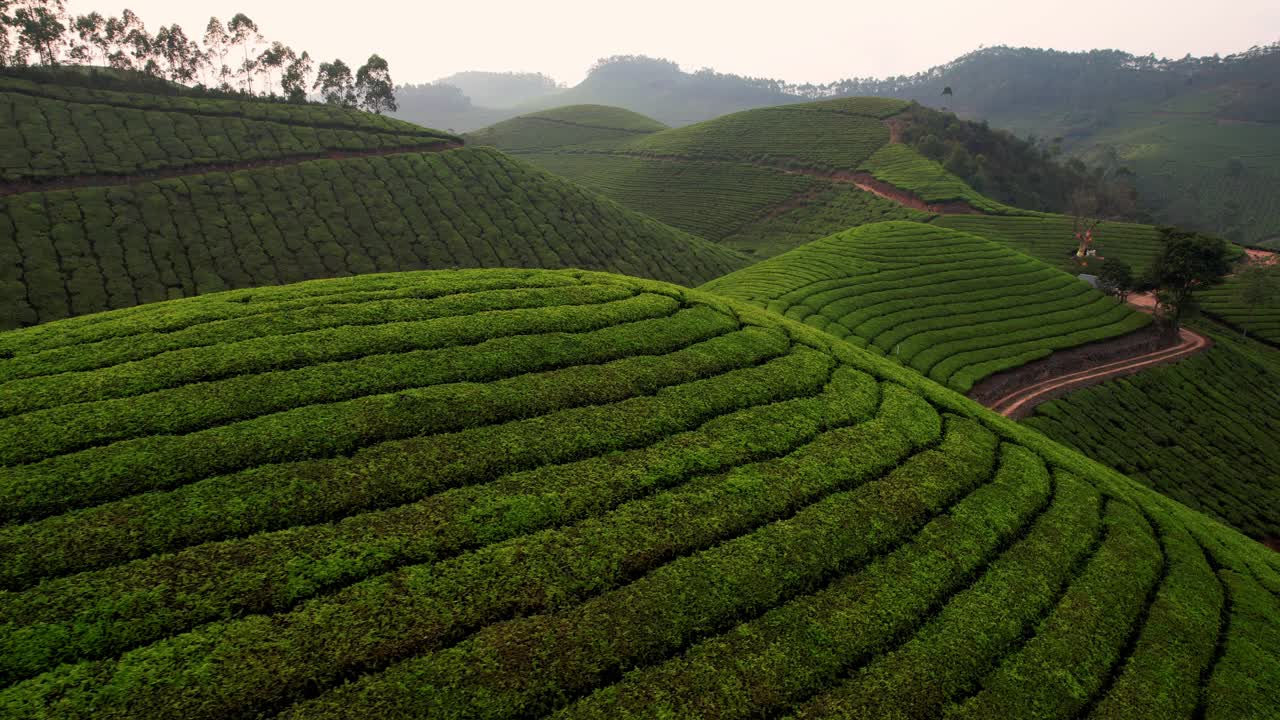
[510, 493]
[762, 181]
[954, 306]
[53, 131]
[569, 125]
[125, 211]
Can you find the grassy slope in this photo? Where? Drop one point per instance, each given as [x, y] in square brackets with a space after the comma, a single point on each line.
[1225, 302]
[531, 482]
[52, 131]
[569, 125]
[954, 306]
[1051, 239]
[1203, 431]
[738, 179]
[78, 251]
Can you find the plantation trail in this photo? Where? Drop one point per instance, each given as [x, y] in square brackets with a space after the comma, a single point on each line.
[81, 181]
[1033, 388]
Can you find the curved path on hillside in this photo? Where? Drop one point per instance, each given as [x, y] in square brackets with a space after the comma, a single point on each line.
[1021, 402]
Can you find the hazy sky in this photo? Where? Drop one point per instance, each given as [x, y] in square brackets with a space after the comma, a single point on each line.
[797, 41]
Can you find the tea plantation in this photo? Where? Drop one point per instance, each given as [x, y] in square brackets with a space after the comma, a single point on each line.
[50, 132]
[528, 493]
[743, 206]
[1051, 238]
[568, 125]
[1226, 302]
[954, 306]
[78, 251]
[1205, 431]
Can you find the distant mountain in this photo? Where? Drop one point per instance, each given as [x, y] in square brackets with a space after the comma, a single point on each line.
[504, 89]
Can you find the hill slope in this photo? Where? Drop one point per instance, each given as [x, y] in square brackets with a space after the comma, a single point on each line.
[954, 306]
[1202, 134]
[110, 199]
[507, 493]
[52, 132]
[1203, 431]
[569, 125]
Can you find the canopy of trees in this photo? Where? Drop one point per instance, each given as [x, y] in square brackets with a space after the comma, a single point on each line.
[230, 56]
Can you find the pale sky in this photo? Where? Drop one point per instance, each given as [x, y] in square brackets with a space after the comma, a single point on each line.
[796, 41]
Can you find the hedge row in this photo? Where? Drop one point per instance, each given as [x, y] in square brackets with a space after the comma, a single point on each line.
[695, 509]
[45, 140]
[1051, 239]
[79, 251]
[119, 607]
[313, 115]
[1203, 431]
[904, 168]
[954, 306]
[420, 608]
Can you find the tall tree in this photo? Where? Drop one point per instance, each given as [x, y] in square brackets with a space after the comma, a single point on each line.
[1116, 277]
[90, 41]
[40, 30]
[333, 80]
[1188, 261]
[180, 54]
[244, 35]
[137, 41]
[274, 57]
[296, 74]
[217, 44]
[374, 88]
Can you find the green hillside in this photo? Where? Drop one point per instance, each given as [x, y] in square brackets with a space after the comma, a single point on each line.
[508, 493]
[570, 125]
[80, 251]
[954, 306]
[740, 205]
[1205, 431]
[1227, 303]
[53, 132]
[1051, 238]
[834, 135]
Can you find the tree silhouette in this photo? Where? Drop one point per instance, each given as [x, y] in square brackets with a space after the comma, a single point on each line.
[374, 87]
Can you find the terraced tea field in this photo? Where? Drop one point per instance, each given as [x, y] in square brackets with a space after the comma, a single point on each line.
[906, 169]
[80, 251]
[830, 136]
[515, 493]
[1205, 432]
[1225, 302]
[1051, 238]
[52, 132]
[568, 125]
[954, 306]
[743, 206]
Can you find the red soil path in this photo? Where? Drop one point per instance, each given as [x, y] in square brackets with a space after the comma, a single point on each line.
[1021, 402]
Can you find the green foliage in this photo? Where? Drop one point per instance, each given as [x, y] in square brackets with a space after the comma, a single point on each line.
[1187, 262]
[1051, 239]
[1249, 300]
[953, 306]
[904, 168]
[570, 125]
[1203, 431]
[835, 135]
[72, 252]
[523, 492]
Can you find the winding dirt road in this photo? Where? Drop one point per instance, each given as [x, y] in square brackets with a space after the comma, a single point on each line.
[1021, 402]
